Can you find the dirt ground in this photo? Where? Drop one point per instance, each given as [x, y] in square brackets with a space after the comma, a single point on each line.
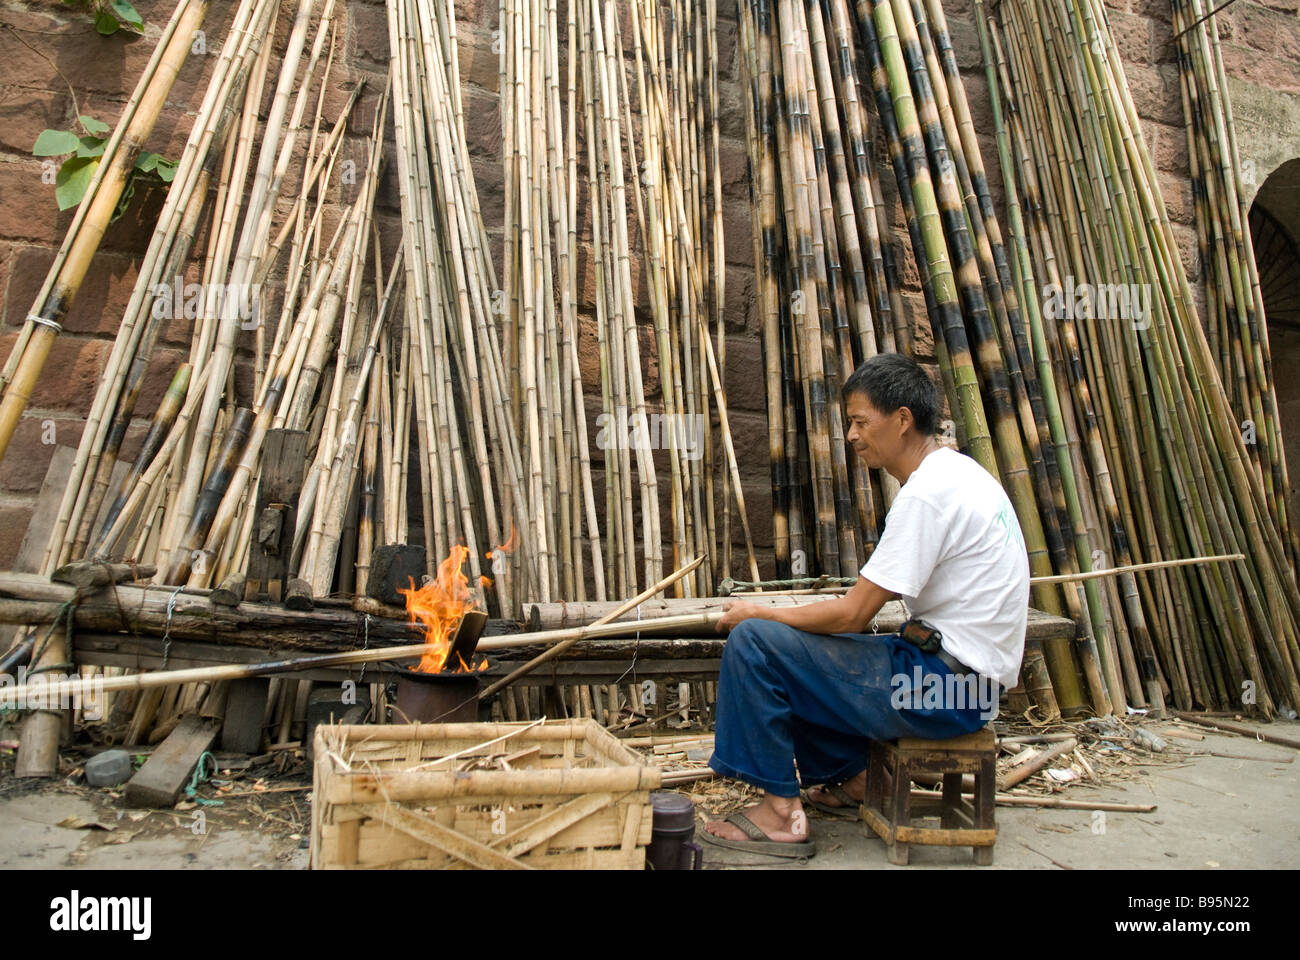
[1212, 812]
[262, 822]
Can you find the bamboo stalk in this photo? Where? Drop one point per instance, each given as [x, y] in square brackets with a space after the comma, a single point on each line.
[613, 615]
[51, 692]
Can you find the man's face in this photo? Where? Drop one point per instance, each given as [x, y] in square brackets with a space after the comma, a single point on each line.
[874, 436]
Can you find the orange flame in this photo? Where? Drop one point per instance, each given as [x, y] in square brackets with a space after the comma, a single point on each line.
[439, 606]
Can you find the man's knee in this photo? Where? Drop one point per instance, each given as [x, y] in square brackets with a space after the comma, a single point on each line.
[749, 634]
[756, 637]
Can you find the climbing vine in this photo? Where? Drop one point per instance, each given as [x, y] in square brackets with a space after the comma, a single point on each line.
[83, 153]
[111, 15]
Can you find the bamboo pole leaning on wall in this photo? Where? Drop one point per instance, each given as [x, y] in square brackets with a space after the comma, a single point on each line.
[1139, 385]
[61, 286]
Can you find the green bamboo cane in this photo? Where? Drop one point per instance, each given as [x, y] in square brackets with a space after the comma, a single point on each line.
[1023, 275]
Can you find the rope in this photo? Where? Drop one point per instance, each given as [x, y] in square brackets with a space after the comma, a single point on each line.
[167, 633]
[365, 645]
[199, 777]
[730, 586]
[65, 610]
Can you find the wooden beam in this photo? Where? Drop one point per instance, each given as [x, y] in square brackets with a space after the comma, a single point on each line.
[159, 782]
[129, 608]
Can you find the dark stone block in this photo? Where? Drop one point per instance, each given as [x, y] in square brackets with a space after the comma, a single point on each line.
[392, 566]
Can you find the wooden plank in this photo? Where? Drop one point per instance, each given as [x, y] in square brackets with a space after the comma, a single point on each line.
[168, 769]
[32, 549]
[284, 456]
[980, 740]
[939, 837]
[245, 703]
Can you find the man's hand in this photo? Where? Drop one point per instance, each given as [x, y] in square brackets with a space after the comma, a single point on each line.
[735, 611]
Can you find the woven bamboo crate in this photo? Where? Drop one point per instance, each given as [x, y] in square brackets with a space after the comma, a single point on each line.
[409, 797]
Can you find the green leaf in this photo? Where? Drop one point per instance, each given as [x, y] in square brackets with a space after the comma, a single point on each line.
[166, 170]
[127, 13]
[106, 23]
[73, 178]
[147, 161]
[52, 143]
[96, 127]
[91, 147]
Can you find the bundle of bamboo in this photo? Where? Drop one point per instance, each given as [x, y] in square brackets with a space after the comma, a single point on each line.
[451, 380]
[435, 361]
[674, 189]
[834, 261]
[168, 481]
[1148, 424]
[1235, 323]
[1076, 410]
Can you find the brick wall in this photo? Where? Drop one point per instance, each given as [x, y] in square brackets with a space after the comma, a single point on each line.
[42, 44]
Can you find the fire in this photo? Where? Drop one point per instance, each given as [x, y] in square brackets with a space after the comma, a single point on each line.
[439, 606]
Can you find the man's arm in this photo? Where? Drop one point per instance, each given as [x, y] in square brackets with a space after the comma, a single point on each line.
[851, 613]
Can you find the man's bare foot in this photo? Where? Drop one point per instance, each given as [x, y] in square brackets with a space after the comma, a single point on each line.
[855, 787]
[781, 818]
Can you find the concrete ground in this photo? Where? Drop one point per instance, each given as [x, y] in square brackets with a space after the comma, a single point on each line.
[1212, 813]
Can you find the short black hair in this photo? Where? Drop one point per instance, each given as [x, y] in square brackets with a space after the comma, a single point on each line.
[892, 380]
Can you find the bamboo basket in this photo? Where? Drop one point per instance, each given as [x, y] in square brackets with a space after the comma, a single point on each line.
[419, 797]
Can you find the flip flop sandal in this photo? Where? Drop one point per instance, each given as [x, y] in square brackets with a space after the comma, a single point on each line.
[758, 842]
[849, 810]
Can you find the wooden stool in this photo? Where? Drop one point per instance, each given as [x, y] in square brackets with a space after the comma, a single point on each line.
[889, 807]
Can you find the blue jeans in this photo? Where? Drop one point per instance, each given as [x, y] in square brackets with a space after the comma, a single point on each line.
[787, 698]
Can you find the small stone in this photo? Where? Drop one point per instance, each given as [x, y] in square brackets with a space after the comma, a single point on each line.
[108, 769]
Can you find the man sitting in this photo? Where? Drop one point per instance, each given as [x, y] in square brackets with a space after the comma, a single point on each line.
[803, 690]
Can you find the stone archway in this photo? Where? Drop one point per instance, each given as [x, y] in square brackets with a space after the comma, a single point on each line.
[1274, 229]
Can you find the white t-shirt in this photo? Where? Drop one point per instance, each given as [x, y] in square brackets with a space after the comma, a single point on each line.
[952, 548]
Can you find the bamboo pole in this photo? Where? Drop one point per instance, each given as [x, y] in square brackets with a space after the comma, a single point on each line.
[49, 310]
[52, 693]
[613, 615]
